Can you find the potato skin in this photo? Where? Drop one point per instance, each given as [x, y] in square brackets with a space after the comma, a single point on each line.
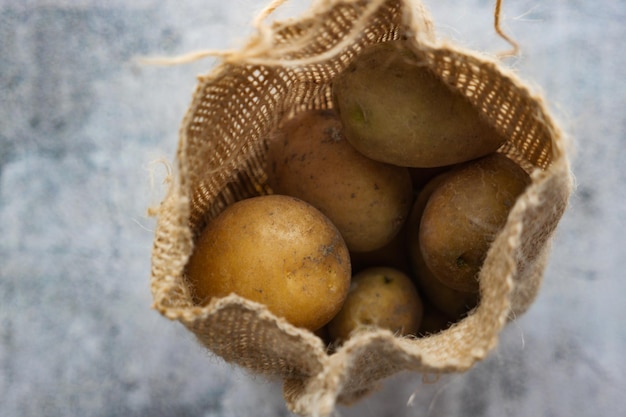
[276, 250]
[367, 200]
[379, 297]
[463, 216]
[396, 110]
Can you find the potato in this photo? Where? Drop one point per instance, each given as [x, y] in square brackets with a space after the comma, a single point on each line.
[276, 250]
[463, 216]
[395, 110]
[453, 303]
[367, 200]
[378, 298]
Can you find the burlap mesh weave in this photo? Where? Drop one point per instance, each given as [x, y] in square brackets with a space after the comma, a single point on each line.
[286, 68]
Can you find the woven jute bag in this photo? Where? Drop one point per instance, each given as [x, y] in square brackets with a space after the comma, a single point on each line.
[288, 67]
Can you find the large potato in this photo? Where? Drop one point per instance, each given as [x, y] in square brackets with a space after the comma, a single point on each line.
[367, 200]
[379, 298]
[396, 110]
[276, 250]
[463, 216]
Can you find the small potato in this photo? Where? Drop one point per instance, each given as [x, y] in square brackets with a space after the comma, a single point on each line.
[367, 200]
[395, 110]
[463, 216]
[380, 298]
[275, 250]
[453, 303]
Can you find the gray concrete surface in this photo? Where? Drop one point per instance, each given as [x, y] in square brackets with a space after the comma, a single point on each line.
[81, 126]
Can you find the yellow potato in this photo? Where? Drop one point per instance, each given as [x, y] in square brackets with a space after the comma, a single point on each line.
[367, 200]
[395, 110]
[378, 298]
[275, 250]
[463, 216]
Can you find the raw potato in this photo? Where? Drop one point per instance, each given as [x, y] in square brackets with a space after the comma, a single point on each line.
[368, 201]
[381, 298]
[453, 303]
[463, 216]
[275, 250]
[395, 110]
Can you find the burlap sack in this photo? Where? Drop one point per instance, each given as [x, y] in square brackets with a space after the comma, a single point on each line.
[288, 67]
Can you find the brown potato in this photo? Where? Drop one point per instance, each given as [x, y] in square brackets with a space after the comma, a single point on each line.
[276, 250]
[396, 110]
[378, 298]
[463, 216]
[367, 200]
[453, 303]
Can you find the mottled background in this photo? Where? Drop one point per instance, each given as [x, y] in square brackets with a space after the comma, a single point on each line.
[81, 126]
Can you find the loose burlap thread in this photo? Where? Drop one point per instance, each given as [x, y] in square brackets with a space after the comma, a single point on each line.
[288, 67]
